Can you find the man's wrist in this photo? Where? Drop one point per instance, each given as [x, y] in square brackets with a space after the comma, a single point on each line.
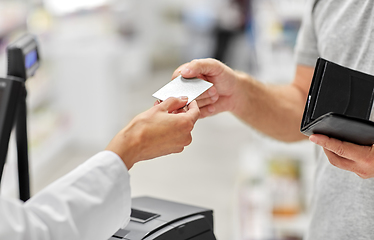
[240, 94]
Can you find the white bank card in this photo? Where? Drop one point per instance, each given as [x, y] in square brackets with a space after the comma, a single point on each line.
[179, 87]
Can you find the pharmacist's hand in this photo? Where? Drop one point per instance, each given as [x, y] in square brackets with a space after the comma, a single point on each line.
[218, 98]
[156, 132]
[348, 156]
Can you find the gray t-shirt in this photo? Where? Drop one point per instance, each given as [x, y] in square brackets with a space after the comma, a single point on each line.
[341, 31]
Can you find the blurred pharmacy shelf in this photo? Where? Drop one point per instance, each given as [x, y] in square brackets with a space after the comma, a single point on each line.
[12, 17]
[273, 189]
[275, 27]
[275, 179]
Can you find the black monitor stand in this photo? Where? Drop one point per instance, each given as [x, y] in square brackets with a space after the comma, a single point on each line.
[22, 147]
[13, 113]
[23, 61]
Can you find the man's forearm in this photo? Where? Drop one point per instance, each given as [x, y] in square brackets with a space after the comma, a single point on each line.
[272, 109]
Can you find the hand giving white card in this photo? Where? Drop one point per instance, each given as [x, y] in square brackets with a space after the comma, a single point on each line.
[179, 87]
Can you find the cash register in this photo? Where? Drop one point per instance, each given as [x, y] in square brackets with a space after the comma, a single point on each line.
[158, 219]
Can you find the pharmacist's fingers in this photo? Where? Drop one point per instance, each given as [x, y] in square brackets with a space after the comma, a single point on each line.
[193, 111]
[157, 102]
[171, 104]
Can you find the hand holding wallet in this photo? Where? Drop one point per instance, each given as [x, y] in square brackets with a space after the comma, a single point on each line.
[339, 104]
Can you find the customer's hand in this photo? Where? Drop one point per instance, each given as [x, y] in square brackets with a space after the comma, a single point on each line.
[348, 156]
[159, 131]
[218, 98]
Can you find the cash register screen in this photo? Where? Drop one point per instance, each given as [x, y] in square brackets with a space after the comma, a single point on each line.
[31, 58]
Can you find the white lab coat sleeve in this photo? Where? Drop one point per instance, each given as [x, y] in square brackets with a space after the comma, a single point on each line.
[90, 203]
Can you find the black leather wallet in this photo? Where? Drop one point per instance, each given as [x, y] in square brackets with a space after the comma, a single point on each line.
[339, 104]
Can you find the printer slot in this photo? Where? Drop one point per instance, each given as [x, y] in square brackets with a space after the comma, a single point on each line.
[142, 216]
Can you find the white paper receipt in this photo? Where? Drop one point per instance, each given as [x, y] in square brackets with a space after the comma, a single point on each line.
[179, 87]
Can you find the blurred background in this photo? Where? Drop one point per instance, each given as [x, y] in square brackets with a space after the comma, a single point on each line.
[101, 62]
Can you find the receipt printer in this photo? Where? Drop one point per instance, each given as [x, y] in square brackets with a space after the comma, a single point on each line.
[156, 219]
